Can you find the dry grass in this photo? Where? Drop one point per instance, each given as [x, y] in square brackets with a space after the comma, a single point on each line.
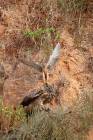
[57, 125]
[25, 15]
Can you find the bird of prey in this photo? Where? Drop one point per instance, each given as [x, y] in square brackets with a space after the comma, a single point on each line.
[52, 61]
[50, 64]
[47, 88]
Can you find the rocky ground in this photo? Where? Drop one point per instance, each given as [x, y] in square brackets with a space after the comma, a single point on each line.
[72, 74]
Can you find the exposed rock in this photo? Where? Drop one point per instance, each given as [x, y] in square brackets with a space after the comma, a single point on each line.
[21, 80]
[71, 71]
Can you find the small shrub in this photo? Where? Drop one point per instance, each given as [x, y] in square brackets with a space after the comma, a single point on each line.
[38, 32]
[42, 38]
[10, 118]
[58, 125]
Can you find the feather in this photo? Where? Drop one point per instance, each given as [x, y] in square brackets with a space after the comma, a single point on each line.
[32, 64]
[54, 56]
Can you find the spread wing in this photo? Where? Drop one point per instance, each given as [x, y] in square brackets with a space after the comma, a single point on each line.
[51, 62]
[32, 64]
[54, 56]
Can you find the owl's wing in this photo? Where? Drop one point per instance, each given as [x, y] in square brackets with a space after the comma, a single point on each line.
[32, 64]
[51, 62]
[33, 96]
[54, 56]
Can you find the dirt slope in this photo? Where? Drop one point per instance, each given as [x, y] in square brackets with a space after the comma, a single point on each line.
[73, 71]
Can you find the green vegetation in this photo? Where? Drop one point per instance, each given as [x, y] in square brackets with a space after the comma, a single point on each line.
[56, 125]
[72, 124]
[39, 32]
[10, 118]
[42, 38]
